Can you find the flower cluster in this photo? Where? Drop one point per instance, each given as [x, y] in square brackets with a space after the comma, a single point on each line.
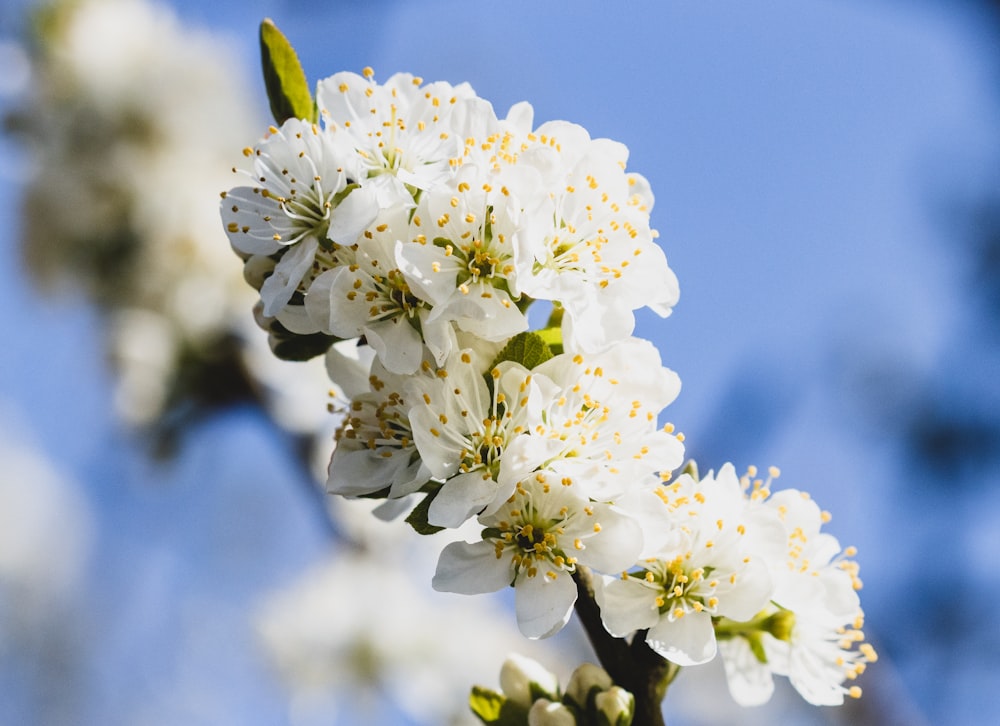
[411, 222]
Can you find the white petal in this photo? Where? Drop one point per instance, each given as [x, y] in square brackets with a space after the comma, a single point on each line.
[362, 471]
[278, 288]
[397, 344]
[297, 320]
[320, 306]
[543, 605]
[392, 508]
[429, 272]
[247, 230]
[352, 216]
[618, 544]
[626, 605]
[439, 337]
[752, 591]
[750, 681]
[460, 498]
[348, 365]
[686, 641]
[471, 569]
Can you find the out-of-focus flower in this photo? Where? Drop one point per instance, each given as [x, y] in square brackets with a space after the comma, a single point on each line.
[365, 629]
[130, 121]
[810, 630]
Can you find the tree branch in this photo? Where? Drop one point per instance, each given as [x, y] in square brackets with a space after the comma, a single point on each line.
[634, 666]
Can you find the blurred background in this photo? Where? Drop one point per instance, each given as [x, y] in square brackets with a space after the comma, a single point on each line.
[827, 192]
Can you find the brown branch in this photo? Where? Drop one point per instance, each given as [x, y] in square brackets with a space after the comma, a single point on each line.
[634, 666]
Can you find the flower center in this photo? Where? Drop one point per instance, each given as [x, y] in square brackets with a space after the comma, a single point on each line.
[682, 589]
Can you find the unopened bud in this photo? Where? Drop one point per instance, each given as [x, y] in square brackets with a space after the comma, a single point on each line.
[615, 707]
[548, 713]
[523, 680]
[586, 679]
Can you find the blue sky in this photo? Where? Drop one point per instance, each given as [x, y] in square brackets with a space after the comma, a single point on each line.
[806, 157]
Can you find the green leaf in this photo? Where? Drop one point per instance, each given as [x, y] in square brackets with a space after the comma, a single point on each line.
[529, 349]
[285, 81]
[418, 517]
[486, 704]
[495, 709]
[553, 339]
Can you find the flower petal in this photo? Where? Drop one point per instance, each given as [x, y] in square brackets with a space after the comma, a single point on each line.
[543, 604]
[686, 641]
[471, 569]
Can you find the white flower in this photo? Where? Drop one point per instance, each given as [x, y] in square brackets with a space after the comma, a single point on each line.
[600, 259]
[598, 424]
[811, 632]
[375, 448]
[381, 643]
[461, 428]
[595, 251]
[462, 258]
[400, 131]
[700, 562]
[303, 201]
[368, 295]
[534, 542]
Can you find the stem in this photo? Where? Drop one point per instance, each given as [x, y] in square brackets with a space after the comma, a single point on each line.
[634, 666]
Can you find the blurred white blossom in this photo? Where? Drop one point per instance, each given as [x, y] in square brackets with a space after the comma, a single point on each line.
[365, 629]
[130, 121]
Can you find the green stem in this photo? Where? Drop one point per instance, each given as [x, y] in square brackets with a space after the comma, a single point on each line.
[634, 666]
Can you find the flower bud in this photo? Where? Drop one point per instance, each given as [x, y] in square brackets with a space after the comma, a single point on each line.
[547, 713]
[615, 707]
[586, 679]
[523, 680]
[780, 625]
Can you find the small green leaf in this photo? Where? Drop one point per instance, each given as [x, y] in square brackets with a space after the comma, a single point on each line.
[486, 704]
[496, 709]
[553, 339]
[285, 81]
[529, 349]
[418, 517]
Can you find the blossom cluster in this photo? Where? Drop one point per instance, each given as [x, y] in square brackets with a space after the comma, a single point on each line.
[412, 223]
